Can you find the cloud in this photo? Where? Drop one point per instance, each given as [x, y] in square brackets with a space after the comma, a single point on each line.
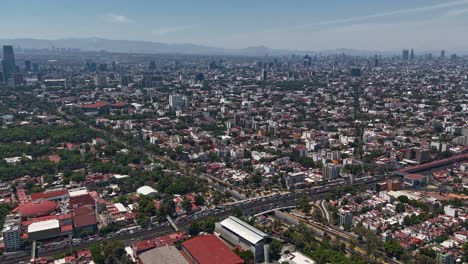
[456, 12]
[166, 30]
[118, 19]
[421, 9]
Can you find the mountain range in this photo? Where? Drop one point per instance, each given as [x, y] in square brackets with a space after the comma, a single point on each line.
[135, 46]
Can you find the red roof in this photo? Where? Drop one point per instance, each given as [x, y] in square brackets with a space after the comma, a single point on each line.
[33, 209]
[119, 104]
[48, 195]
[415, 177]
[82, 200]
[211, 250]
[55, 158]
[66, 228]
[82, 210]
[84, 220]
[96, 105]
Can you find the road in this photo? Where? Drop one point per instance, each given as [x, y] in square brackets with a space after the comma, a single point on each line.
[247, 207]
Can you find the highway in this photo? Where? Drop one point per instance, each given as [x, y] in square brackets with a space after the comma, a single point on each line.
[247, 207]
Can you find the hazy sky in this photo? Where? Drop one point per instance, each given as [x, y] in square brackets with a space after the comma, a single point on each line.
[292, 24]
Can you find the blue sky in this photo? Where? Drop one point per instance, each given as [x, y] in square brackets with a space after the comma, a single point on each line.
[291, 24]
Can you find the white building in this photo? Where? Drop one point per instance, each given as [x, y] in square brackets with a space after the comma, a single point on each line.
[244, 235]
[146, 190]
[296, 258]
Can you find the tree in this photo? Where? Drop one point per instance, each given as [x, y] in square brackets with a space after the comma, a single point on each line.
[400, 208]
[187, 205]
[275, 246]
[393, 248]
[194, 229]
[304, 205]
[246, 255]
[403, 199]
[199, 200]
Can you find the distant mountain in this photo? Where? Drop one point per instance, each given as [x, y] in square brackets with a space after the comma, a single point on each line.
[133, 46]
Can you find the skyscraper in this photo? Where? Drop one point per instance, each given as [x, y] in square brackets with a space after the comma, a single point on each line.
[412, 54]
[442, 54]
[9, 65]
[27, 65]
[405, 54]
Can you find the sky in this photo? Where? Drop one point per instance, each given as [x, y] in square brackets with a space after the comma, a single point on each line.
[283, 24]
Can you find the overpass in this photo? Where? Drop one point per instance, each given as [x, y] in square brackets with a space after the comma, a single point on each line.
[253, 207]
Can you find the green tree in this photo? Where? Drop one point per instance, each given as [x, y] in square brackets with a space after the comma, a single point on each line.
[275, 246]
[304, 205]
[393, 248]
[187, 205]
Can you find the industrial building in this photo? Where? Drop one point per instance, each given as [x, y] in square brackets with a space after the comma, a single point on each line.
[209, 249]
[244, 235]
[162, 255]
[44, 230]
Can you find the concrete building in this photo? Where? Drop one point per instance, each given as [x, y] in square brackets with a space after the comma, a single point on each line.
[244, 235]
[11, 232]
[294, 178]
[330, 171]
[162, 255]
[296, 258]
[44, 230]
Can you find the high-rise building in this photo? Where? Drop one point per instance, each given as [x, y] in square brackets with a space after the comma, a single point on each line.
[27, 65]
[152, 65]
[264, 75]
[442, 54]
[100, 80]
[2, 73]
[35, 67]
[330, 171]
[412, 54]
[11, 232]
[176, 101]
[9, 65]
[356, 72]
[405, 54]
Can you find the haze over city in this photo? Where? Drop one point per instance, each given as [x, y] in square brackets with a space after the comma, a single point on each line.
[294, 25]
[234, 132]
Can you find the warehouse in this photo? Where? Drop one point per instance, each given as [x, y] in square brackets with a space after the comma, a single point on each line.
[44, 230]
[244, 235]
[209, 249]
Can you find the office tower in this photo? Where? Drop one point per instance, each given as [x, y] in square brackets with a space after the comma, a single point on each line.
[2, 74]
[307, 61]
[405, 54]
[412, 54]
[103, 67]
[152, 65]
[442, 54]
[177, 102]
[376, 61]
[27, 65]
[35, 67]
[100, 80]
[200, 77]
[9, 65]
[213, 65]
[356, 72]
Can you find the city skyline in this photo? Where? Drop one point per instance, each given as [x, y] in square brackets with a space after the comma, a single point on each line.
[298, 25]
